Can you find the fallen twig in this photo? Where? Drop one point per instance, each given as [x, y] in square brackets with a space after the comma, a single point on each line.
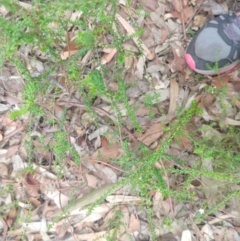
[183, 24]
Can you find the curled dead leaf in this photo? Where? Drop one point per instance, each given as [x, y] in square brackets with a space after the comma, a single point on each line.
[178, 63]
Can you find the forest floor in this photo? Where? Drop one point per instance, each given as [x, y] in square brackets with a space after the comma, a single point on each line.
[105, 133]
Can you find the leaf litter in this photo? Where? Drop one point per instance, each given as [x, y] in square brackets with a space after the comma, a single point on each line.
[44, 192]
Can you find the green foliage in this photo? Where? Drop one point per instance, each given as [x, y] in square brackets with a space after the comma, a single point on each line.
[62, 148]
[191, 32]
[94, 83]
[122, 93]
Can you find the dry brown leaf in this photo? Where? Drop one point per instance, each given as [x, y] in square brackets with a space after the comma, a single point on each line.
[104, 141]
[152, 134]
[207, 100]
[157, 202]
[165, 34]
[140, 68]
[108, 57]
[106, 153]
[221, 82]
[177, 5]
[151, 4]
[174, 91]
[185, 143]
[91, 181]
[47, 155]
[11, 151]
[35, 202]
[11, 216]
[62, 80]
[178, 63]
[32, 185]
[188, 12]
[3, 169]
[134, 224]
[106, 173]
[70, 49]
[185, 2]
[236, 85]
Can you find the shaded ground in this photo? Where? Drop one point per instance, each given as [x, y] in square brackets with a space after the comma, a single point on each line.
[59, 150]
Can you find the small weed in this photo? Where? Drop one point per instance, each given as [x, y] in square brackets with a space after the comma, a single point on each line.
[215, 68]
[191, 32]
[167, 221]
